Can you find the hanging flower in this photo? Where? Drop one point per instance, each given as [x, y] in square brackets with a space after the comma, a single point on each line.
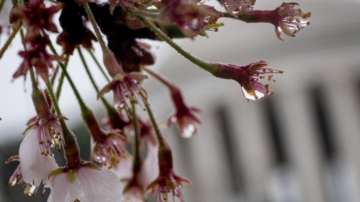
[37, 56]
[36, 161]
[168, 181]
[37, 17]
[125, 86]
[290, 20]
[109, 148]
[135, 188]
[88, 183]
[248, 77]
[184, 115]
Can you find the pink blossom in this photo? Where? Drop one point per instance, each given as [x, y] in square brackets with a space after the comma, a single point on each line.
[167, 181]
[184, 115]
[290, 20]
[90, 184]
[36, 161]
[36, 55]
[125, 86]
[109, 148]
[248, 77]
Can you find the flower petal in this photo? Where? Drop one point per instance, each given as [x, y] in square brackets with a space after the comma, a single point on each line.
[34, 166]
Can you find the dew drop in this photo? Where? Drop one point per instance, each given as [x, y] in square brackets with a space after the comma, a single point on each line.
[252, 97]
[189, 130]
[30, 190]
[12, 180]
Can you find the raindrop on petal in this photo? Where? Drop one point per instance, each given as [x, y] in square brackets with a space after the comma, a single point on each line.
[252, 97]
[30, 190]
[189, 130]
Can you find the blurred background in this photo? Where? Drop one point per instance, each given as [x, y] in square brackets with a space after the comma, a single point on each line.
[299, 145]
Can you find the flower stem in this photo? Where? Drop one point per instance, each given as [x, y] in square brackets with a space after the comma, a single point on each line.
[96, 28]
[254, 16]
[156, 128]
[202, 64]
[61, 79]
[10, 38]
[64, 71]
[146, 13]
[108, 107]
[137, 160]
[71, 147]
[2, 4]
[98, 64]
[73, 87]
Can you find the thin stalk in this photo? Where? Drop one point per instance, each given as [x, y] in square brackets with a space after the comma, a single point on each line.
[146, 13]
[22, 38]
[112, 113]
[107, 105]
[93, 22]
[98, 64]
[137, 160]
[2, 4]
[67, 75]
[212, 68]
[61, 79]
[156, 128]
[53, 77]
[71, 147]
[9, 40]
[87, 69]
[73, 87]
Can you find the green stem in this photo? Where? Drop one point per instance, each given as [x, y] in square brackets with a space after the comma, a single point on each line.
[73, 87]
[212, 68]
[52, 48]
[96, 28]
[98, 64]
[71, 147]
[53, 77]
[145, 13]
[107, 105]
[10, 38]
[1, 5]
[137, 160]
[22, 38]
[61, 79]
[64, 71]
[87, 69]
[156, 128]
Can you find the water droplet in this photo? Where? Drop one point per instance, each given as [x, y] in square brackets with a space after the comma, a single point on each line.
[30, 190]
[13, 180]
[252, 97]
[189, 130]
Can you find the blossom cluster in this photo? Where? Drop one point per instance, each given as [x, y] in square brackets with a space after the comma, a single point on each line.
[130, 158]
